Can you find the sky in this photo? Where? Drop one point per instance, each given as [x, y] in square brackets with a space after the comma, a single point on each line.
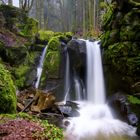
[16, 3]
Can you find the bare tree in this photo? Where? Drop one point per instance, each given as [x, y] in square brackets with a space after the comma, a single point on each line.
[3, 1]
[26, 5]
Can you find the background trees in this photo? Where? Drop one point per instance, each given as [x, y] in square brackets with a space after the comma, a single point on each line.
[67, 15]
[63, 15]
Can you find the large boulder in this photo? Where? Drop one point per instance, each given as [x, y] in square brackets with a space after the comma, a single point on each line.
[70, 109]
[7, 92]
[77, 55]
[122, 108]
[16, 35]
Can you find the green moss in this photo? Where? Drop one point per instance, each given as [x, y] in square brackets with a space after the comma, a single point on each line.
[52, 60]
[51, 67]
[45, 35]
[108, 16]
[23, 73]
[105, 37]
[52, 132]
[20, 75]
[133, 100]
[68, 34]
[54, 43]
[7, 92]
[124, 54]
[29, 28]
[53, 57]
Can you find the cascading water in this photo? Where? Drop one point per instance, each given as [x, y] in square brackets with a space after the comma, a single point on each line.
[95, 80]
[78, 89]
[96, 121]
[40, 67]
[67, 78]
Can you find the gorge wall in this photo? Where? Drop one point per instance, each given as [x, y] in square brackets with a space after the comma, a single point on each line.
[121, 51]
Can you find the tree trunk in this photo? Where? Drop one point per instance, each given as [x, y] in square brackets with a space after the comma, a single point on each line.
[10, 2]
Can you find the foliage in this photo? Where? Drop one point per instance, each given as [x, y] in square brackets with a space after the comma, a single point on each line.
[20, 75]
[31, 127]
[68, 34]
[54, 43]
[7, 92]
[45, 35]
[29, 28]
[133, 100]
[51, 131]
[107, 16]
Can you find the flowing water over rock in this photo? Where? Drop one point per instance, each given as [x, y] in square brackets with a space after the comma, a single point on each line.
[67, 78]
[95, 80]
[96, 121]
[40, 67]
[78, 89]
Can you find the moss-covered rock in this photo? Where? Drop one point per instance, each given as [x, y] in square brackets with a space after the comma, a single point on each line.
[7, 92]
[121, 42]
[45, 35]
[16, 20]
[29, 28]
[53, 44]
[51, 67]
[13, 55]
[53, 59]
[16, 27]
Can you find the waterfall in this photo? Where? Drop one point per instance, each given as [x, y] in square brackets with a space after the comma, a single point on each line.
[40, 67]
[78, 88]
[96, 120]
[95, 80]
[67, 78]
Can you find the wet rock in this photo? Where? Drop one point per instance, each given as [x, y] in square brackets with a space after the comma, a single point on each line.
[31, 77]
[77, 54]
[133, 119]
[69, 109]
[138, 130]
[122, 110]
[13, 55]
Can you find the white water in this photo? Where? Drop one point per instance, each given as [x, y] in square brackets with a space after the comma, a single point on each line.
[96, 121]
[95, 80]
[40, 67]
[67, 79]
[78, 89]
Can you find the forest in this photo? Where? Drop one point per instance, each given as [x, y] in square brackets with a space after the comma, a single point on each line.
[69, 69]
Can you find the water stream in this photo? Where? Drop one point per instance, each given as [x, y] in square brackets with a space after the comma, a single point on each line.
[96, 121]
[78, 88]
[95, 80]
[40, 67]
[67, 78]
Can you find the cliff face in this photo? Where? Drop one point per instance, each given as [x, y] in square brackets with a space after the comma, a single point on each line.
[121, 49]
[17, 33]
[120, 42]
